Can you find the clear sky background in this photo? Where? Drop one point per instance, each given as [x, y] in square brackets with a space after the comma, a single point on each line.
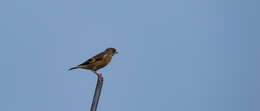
[174, 55]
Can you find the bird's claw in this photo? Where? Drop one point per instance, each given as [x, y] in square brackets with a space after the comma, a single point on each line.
[98, 74]
[100, 77]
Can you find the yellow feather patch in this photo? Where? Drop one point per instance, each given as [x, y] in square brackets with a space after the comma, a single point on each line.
[83, 66]
[92, 60]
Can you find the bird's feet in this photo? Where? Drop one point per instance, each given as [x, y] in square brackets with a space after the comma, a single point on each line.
[98, 74]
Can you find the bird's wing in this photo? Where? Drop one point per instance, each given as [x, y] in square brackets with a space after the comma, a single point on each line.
[98, 57]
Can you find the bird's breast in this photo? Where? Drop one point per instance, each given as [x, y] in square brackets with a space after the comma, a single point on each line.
[107, 59]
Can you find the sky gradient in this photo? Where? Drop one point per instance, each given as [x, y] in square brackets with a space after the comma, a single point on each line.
[174, 55]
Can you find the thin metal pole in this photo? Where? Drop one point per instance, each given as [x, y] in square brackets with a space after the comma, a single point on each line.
[97, 93]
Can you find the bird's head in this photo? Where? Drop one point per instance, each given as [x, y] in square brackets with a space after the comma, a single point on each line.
[112, 51]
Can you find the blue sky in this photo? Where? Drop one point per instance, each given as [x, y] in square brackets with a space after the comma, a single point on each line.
[174, 55]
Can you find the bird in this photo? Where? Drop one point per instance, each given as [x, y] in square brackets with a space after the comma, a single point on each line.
[97, 62]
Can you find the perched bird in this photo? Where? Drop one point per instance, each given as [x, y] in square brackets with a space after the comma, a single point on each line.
[97, 62]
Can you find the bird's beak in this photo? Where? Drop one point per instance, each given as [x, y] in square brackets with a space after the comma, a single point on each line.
[116, 52]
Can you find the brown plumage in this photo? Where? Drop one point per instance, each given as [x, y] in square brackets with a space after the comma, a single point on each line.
[97, 62]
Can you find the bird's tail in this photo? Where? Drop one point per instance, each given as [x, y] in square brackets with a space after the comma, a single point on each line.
[73, 68]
